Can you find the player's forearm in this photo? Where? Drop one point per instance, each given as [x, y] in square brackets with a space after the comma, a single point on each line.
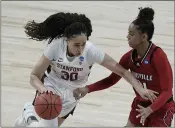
[132, 80]
[128, 76]
[104, 83]
[36, 82]
[161, 100]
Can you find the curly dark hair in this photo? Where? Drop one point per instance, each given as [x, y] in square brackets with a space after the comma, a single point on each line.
[144, 21]
[59, 25]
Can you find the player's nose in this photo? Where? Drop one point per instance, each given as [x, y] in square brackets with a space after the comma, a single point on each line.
[127, 36]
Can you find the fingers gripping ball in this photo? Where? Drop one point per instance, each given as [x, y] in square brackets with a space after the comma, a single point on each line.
[48, 105]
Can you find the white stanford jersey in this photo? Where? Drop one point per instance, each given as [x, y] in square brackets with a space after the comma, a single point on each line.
[70, 74]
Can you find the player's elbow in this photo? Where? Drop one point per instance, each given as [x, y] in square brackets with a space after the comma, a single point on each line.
[32, 78]
[168, 92]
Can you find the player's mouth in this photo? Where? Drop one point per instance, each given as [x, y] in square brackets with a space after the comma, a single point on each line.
[130, 43]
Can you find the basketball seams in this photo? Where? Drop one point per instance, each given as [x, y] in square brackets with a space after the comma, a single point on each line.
[46, 107]
[54, 103]
[51, 107]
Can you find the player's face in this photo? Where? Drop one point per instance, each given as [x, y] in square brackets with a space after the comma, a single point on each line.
[76, 45]
[134, 36]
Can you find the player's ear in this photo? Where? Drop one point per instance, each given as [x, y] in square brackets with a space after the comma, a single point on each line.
[144, 37]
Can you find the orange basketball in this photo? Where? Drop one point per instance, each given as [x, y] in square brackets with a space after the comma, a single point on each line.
[48, 105]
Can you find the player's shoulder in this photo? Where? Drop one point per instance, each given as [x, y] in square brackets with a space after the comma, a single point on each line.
[127, 55]
[89, 44]
[58, 43]
[124, 61]
[158, 54]
[158, 51]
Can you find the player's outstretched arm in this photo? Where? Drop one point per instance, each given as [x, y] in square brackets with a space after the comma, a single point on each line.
[112, 79]
[104, 83]
[115, 67]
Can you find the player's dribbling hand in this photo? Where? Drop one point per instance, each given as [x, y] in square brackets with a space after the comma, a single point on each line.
[44, 90]
[143, 113]
[80, 92]
[148, 94]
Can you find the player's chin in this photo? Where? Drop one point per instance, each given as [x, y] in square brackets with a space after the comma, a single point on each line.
[130, 45]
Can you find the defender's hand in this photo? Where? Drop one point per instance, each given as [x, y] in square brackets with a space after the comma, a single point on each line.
[80, 92]
[143, 113]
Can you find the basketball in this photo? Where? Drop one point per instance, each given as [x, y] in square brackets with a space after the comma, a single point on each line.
[48, 105]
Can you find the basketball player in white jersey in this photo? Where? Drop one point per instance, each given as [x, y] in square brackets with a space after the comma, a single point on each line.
[66, 63]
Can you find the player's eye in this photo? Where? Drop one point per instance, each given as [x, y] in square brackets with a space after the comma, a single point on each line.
[131, 34]
[76, 44]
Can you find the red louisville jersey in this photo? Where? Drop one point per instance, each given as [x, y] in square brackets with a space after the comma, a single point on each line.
[144, 69]
[153, 70]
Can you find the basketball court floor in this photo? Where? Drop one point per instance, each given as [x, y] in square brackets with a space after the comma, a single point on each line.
[110, 23]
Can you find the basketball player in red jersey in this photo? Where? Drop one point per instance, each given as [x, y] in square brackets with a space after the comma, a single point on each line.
[150, 65]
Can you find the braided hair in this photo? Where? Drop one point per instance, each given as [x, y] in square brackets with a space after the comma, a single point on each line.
[59, 25]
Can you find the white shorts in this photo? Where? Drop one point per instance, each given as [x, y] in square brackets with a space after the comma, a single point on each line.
[66, 95]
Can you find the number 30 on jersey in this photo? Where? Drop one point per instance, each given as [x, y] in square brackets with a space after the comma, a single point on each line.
[69, 76]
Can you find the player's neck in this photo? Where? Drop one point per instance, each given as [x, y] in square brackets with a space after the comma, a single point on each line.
[141, 49]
